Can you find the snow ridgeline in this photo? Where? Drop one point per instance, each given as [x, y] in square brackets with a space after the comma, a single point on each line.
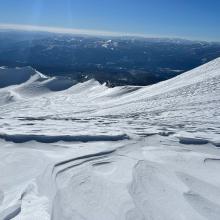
[85, 151]
[30, 82]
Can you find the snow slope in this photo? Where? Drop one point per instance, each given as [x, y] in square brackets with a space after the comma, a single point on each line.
[86, 151]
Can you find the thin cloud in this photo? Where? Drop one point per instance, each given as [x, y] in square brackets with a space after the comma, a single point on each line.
[22, 27]
[59, 30]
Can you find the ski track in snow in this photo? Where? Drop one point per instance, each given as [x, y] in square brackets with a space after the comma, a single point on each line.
[85, 151]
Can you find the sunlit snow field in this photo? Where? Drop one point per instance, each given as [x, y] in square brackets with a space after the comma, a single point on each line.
[86, 151]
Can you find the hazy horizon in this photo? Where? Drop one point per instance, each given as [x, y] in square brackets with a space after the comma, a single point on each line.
[90, 32]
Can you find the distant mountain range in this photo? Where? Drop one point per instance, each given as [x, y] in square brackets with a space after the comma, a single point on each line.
[117, 61]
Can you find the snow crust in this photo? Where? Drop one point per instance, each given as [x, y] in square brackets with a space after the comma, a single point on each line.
[84, 151]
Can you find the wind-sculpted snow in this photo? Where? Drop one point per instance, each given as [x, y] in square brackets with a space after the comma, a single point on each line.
[86, 151]
[22, 138]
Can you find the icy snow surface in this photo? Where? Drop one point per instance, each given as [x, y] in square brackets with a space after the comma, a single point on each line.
[85, 151]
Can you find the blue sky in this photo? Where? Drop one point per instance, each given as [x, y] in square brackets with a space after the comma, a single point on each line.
[192, 19]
